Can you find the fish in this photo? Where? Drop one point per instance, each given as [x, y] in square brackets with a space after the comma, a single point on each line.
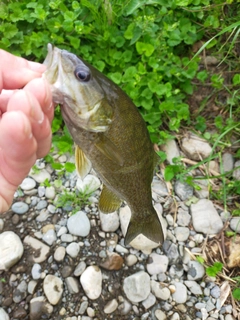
[110, 136]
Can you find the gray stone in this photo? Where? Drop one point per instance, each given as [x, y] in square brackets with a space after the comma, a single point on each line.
[39, 307]
[235, 224]
[20, 207]
[205, 217]
[11, 249]
[3, 314]
[183, 218]
[79, 224]
[41, 250]
[20, 292]
[36, 271]
[236, 172]
[80, 268]
[42, 204]
[149, 302]
[183, 190]
[195, 147]
[109, 222]
[171, 251]
[72, 285]
[160, 291]
[59, 254]
[50, 237]
[50, 192]
[53, 289]
[180, 294]
[157, 263]
[215, 292]
[137, 286]
[196, 270]
[88, 185]
[203, 192]
[28, 184]
[181, 233]
[40, 176]
[160, 315]
[91, 281]
[159, 187]
[194, 287]
[227, 162]
[171, 149]
[111, 306]
[73, 249]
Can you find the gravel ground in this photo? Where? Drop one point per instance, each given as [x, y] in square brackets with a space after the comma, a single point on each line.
[58, 265]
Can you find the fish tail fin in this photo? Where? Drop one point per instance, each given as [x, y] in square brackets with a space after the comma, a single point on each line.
[150, 226]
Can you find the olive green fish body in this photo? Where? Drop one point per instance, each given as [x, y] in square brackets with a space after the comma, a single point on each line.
[113, 137]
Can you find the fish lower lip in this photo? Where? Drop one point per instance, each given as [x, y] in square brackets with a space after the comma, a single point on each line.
[48, 60]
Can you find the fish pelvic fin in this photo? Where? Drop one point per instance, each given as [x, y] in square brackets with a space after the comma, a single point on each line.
[83, 164]
[150, 226]
[108, 201]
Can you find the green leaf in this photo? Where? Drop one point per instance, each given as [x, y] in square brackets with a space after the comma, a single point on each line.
[70, 167]
[214, 270]
[200, 259]
[171, 171]
[115, 77]
[236, 79]
[236, 293]
[144, 48]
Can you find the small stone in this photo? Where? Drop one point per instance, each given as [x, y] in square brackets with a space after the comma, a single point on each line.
[235, 224]
[61, 231]
[171, 149]
[20, 292]
[3, 314]
[42, 204]
[32, 286]
[11, 249]
[180, 294]
[227, 162]
[47, 227]
[40, 176]
[195, 271]
[40, 250]
[53, 289]
[66, 271]
[149, 302]
[50, 237]
[19, 313]
[41, 191]
[111, 306]
[43, 216]
[130, 260]
[183, 218]
[90, 312]
[39, 307]
[215, 292]
[83, 307]
[88, 185]
[2, 223]
[183, 190]
[91, 281]
[66, 237]
[137, 286]
[50, 192]
[72, 285]
[109, 222]
[194, 287]
[181, 233]
[203, 192]
[195, 147]
[160, 315]
[113, 261]
[159, 188]
[171, 251]
[236, 172]
[59, 254]
[79, 224]
[20, 207]
[160, 291]
[80, 268]
[73, 249]
[205, 217]
[28, 184]
[157, 264]
[36, 271]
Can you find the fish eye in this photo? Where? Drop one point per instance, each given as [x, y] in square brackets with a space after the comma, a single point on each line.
[82, 74]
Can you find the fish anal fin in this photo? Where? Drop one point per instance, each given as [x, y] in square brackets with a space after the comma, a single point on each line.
[108, 201]
[150, 227]
[109, 150]
[83, 164]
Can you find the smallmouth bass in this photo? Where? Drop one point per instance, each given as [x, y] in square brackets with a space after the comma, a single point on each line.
[110, 136]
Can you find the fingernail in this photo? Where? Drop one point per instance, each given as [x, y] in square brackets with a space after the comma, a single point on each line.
[48, 93]
[36, 112]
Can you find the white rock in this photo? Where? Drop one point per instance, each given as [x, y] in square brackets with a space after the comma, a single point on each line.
[194, 287]
[61, 231]
[59, 254]
[41, 176]
[181, 233]
[28, 184]
[36, 271]
[157, 263]
[91, 281]
[80, 268]
[1, 225]
[11, 249]
[160, 291]
[50, 237]
[141, 242]
[73, 249]
[109, 222]
[111, 306]
[3, 314]
[50, 192]
[130, 260]
[195, 147]
[41, 250]
[89, 184]
[160, 315]
[180, 294]
[78, 224]
[32, 284]
[196, 270]
[205, 217]
[171, 149]
[228, 162]
[53, 288]
[149, 302]
[72, 285]
[137, 286]
[236, 172]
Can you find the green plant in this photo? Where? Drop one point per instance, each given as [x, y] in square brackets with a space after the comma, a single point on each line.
[214, 269]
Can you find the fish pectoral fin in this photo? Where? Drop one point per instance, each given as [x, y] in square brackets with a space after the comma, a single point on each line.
[150, 227]
[83, 164]
[109, 150]
[108, 201]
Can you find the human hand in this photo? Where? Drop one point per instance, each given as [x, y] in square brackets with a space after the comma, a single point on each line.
[25, 121]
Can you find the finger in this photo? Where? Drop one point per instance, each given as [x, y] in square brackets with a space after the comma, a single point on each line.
[42, 91]
[4, 98]
[15, 72]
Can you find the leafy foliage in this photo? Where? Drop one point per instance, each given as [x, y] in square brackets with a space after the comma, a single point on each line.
[214, 269]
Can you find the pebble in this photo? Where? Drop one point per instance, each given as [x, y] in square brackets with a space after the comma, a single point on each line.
[235, 224]
[73, 249]
[109, 222]
[11, 249]
[50, 237]
[39, 307]
[130, 260]
[36, 271]
[181, 233]
[160, 315]
[157, 264]
[205, 217]
[42, 204]
[113, 261]
[59, 254]
[160, 291]
[196, 270]
[227, 162]
[3, 314]
[28, 184]
[40, 176]
[195, 147]
[88, 185]
[91, 281]
[20, 292]
[149, 302]
[171, 149]
[50, 192]
[72, 285]
[53, 289]
[66, 237]
[183, 218]
[137, 286]
[32, 284]
[20, 207]
[183, 190]
[180, 294]
[111, 306]
[2, 224]
[78, 224]
[41, 250]
[194, 287]
[236, 172]
[80, 268]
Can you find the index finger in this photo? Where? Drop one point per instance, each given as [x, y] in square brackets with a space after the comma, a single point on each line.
[16, 72]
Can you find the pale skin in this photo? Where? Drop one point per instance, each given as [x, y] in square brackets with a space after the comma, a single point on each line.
[26, 113]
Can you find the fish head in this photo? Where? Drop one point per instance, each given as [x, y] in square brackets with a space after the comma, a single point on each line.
[77, 90]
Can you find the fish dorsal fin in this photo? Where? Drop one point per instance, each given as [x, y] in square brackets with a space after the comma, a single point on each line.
[109, 150]
[108, 201]
[83, 164]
